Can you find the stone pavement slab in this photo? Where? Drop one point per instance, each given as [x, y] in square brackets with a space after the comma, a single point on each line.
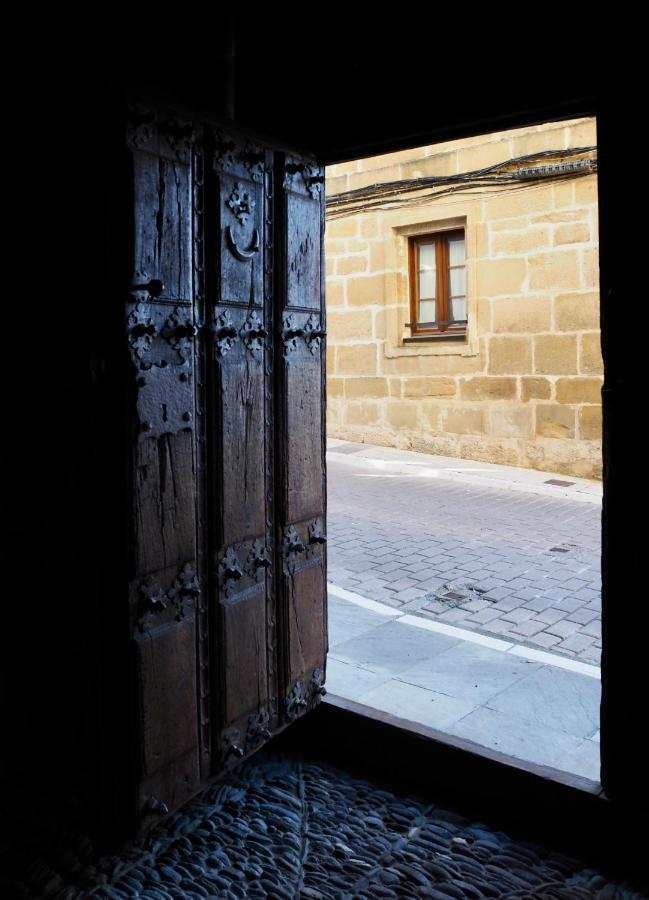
[469, 671]
[493, 549]
[347, 621]
[555, 699]
[349, 680]
[391, 648]
[487, 692]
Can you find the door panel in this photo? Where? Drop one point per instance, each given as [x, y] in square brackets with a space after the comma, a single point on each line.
[303, 248]
[304, 486]
[241, 401]
[307, 627]
[161, 332]
[244, 674]
[167, 678]
[164, 509]
[242, 233]
[301, 474]
[162, 175]
[245, 652]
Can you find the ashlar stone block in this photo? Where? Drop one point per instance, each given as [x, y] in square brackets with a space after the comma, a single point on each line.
[579, 390]
[555, 421]
[535, 388]
[510, 355]
[555, 354]
[488, 388]
[464, 421]
[576, 311]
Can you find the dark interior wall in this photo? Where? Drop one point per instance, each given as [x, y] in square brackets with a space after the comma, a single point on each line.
[354, 85]
[340, 92]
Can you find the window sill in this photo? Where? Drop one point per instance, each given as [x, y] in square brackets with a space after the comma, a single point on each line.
[434, 338]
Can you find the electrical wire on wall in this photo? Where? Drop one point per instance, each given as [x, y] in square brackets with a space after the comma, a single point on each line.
[517, 172]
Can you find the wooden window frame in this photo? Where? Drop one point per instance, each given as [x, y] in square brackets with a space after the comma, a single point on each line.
[444, 330]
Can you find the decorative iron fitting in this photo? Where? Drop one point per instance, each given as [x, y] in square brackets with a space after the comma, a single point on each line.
[291, 333]
[241, 203]
[295, 701]
[179, 331]
[164, 399]
[185, 589]
[318, 690]
[231, 749]
[253, 159]
[314, 333]
[153, 598]
[224, 148]
[312, 175]
[314, 180]
[179, 136]
[225, 333]
[141, 330]
[229, 569]
[292, 542]
[241, 253]
[258, 560]
[316, 534]
[140, 125]
[180, 597]
[198, 256]
[155, 807]
[257, 730]
[253, 332]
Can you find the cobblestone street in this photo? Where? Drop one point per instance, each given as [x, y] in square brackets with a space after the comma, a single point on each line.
[487, 548]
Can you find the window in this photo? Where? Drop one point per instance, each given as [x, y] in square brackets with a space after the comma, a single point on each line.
[437, 286]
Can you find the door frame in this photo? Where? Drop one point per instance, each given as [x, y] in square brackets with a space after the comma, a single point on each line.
[486, 776]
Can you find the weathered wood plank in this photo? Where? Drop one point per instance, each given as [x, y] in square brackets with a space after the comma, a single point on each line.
[304, 483]
[163, 240]
[163, 503]
[302, 604]
[242, 436]
[166, 670]
[244, 653]
[306, 619]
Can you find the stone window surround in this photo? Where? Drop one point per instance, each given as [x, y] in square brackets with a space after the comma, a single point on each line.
[397, 296]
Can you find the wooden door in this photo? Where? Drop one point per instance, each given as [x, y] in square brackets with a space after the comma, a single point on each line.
[164, 539]
[225, 338]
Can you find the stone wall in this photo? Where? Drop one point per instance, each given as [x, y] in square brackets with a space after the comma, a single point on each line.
[524, 387]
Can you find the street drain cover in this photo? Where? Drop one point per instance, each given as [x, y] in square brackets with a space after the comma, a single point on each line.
[563, 548]
[559, 483]
[455, 593]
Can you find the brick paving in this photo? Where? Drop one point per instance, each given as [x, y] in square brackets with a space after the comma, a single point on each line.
[519, 565]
